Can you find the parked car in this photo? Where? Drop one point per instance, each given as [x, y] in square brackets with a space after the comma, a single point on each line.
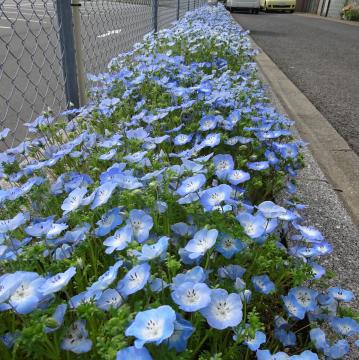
[278, 5]
[252, 5]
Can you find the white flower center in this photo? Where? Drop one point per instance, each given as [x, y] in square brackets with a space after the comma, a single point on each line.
[23, 291]
[222, 310]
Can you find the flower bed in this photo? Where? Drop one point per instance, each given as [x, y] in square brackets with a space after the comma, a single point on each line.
[146, 228]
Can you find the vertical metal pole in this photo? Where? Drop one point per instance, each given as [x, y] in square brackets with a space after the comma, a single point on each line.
[64, 16]
[187, 5]
[154, 4]
[78, 51]
[178, 9]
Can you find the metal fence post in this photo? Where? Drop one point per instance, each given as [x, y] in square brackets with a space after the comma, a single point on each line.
[154, 4]
[78, 51]
[64, 16]
[178, 10]
[187, 5]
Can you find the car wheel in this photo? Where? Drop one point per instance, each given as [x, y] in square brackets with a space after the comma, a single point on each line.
[256, 11]
[291, 11]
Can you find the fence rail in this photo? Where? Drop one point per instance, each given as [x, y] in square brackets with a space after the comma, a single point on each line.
[48, 46]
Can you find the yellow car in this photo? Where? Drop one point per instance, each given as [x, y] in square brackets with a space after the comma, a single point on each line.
[278, 5]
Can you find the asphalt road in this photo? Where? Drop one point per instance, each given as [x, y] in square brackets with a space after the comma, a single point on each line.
[321, 58]
[31, 76]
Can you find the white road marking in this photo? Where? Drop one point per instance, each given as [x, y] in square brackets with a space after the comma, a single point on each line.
[5, 27]
[19, 19]
[110, 32]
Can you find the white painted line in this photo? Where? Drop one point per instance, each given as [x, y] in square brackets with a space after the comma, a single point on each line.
[5, 27]
[110, 32]
[19, 19]
[23, 13]
[26, 8]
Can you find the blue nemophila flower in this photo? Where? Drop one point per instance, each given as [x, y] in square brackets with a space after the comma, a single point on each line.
[58, 318]
[231, 272]
[8, 283]
[26, 297]
[190, 296]
[107, 278]
[134, 280]
[292, 307]
[182, 229]
[8, 339]
[135, 157]
[138, 133]
[224, 310]
[223, 164]
[76, 339]
[156, 250]
[191, 184]
[254, 225]
[215, 196]
[255, 342]
[263, 284]
[344, 326]
[341, 294]
[286, 150]
[40, 227]
[271, 157]
[133, 353]
[307, 298]
[270, 210]
[202, 241]
[128, 182]
[119, 240]
[109, 155]
[323, 248]
[183, 330]
[266, 355]
[56, 229]
[287, 338]
[160, 206]
[208, 122]
[318, 338]
[318, 270]
[182, 139]
[211, 140]
[108, 222]
[103, 193]
[228, 246]
[57, 282]
[141, 224]
[258, 166]
[85, 297]
[154, 325]
[110, 298]
[337, 350]
[74, 200]
[157, 285]
[236, 177]
[310, 233]
[4, 133]
[108, 106]
[194, 275]
[305, 355]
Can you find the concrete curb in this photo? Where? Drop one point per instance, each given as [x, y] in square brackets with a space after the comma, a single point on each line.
[337, 160]
[346, 22]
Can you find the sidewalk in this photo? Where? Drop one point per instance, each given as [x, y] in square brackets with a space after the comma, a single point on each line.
[347, 22]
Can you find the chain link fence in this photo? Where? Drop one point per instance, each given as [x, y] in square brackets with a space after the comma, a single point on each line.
[48, 46]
